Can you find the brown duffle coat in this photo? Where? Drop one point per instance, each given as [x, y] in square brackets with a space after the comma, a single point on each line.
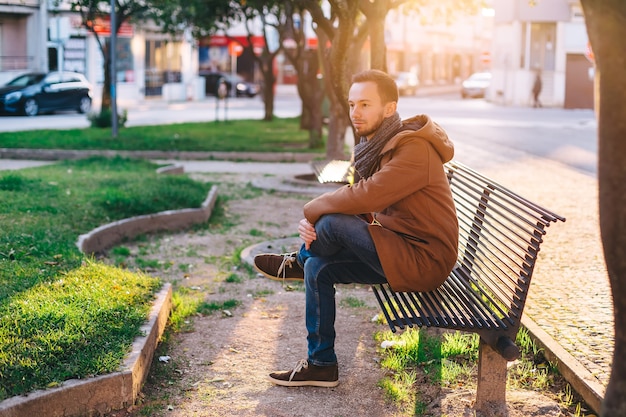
[415, 228]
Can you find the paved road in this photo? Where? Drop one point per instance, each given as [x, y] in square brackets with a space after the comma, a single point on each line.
[156, 111]
[568, 136]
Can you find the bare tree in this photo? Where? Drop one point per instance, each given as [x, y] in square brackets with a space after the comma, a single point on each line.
[271, 14]
[306, 62]
[346, 27]
[93, 11]
[338, 30]
[606, 27]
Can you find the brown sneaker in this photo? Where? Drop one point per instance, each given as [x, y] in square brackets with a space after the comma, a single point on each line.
[283, 267]
[305, 374]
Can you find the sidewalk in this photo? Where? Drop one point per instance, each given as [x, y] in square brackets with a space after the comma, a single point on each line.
[282, 91]
[569, 309]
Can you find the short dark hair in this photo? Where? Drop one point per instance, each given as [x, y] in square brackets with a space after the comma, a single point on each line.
[387, 87]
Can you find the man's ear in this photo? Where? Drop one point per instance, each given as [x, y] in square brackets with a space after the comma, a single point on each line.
[390, 108]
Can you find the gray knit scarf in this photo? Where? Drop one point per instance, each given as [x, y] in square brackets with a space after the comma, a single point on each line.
[367, 152]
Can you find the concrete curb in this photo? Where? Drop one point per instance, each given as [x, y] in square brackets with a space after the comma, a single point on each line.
[120, 389]
[113, 233]
[582, 381]
[104, 393]
[58, 154]
[271, 246]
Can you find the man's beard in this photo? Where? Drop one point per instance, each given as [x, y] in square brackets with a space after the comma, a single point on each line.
[371, 129]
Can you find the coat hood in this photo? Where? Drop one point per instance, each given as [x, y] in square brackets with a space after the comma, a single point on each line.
[423, 127]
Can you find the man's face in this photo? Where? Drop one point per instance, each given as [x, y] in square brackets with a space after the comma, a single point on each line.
[366, 108]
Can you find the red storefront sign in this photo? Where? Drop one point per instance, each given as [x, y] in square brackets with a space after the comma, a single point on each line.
[224, 41]
[102, 26]
[235, 49]
[589, 54]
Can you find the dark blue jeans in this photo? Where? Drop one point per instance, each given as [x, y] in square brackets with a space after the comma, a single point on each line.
[343, 253]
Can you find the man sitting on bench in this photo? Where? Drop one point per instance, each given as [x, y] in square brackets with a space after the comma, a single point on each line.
[395, 223]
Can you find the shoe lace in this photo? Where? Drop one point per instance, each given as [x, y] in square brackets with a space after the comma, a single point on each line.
[302, 364]
[288, 260]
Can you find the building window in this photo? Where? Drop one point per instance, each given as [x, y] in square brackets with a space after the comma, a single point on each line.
[75, 55]
[1, 63]
[163, 65]
[542, 46]
[124, 60]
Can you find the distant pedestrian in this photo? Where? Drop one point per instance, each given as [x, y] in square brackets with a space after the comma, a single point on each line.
[537, 90]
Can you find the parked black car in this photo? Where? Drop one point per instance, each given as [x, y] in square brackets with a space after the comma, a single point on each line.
[38, 92]
[242, 87]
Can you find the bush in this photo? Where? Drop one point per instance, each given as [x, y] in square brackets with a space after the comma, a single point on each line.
[103, 119]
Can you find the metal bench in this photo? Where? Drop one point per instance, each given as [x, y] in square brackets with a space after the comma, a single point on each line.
[499, 238]
[331, 171]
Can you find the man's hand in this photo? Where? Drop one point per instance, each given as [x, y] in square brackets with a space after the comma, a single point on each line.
[307, 233]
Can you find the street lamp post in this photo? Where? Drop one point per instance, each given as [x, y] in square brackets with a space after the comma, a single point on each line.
[112, 71]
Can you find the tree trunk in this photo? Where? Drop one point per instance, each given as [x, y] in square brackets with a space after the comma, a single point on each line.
[338, 95]
[337, 127]
[376, 13]
[106, 87]
[378, 58]
[605, 26]
[269, 83]
[316, 139]
[311, 91]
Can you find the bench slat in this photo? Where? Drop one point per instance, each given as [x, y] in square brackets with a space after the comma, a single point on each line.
[459, 168]
[481, 316]
[500, 234]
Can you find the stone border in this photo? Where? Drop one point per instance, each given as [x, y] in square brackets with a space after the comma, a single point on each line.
[101, 394]
[110, 234]
[583, 381]
[117, 390]
[56, 154]
[107, 235]
[270, 246]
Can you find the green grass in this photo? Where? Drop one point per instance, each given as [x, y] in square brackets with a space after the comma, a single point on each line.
[352, 302]
[79, 325]
[451, 361]
[62, 315]
[280, 135]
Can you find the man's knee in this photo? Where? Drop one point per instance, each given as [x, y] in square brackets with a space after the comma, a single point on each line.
[315, 269]
[331, 224]
[327, 220]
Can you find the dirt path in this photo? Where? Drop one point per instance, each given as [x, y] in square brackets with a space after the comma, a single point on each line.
[219, 367]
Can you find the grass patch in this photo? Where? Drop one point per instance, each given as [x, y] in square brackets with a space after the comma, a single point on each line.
[352, 302]
[212, 307]
[234, 278]
[61, 315]
[79, 325]
[450, 360]
[281, 135]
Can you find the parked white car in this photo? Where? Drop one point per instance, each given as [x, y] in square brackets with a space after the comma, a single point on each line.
[476, 85]
[407, 83]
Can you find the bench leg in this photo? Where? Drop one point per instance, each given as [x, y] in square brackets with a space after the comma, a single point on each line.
[491, 391]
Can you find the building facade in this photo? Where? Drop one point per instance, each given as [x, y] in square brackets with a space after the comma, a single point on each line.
[37, 36]
[548, 38]
[521, 39]
[23, 37]
[441, 50]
